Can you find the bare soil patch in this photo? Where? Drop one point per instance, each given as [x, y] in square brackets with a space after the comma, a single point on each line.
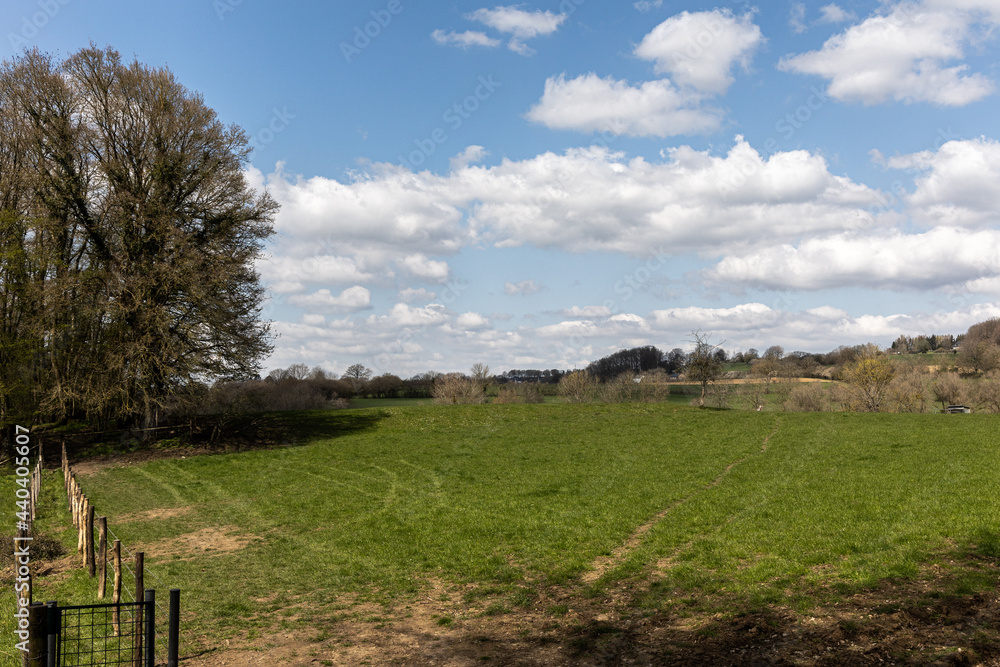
[896, 624]
[155, 514]
[211, 541]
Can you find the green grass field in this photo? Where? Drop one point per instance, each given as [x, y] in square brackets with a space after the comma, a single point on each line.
[510, 500]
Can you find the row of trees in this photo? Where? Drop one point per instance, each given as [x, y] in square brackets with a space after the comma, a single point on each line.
[127, 241]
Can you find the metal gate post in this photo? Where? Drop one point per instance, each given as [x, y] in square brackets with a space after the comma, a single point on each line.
[53, 633]
[149, 597]
[175, 626]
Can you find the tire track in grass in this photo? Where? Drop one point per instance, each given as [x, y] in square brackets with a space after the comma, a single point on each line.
[604, 564]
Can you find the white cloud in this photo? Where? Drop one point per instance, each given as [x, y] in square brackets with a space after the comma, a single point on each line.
[471, 155]
[464, 39]
[797, 18]
[290, 274]
[409, 295]
[648, 5]
[392, 220]
[520, 24]
[698, 50]
[402, 315]
[586, 312]
[590, 103]
[896, 260]
[472, 321]
[313, 319]
[594, 200]
[836, 14]
[900, 55]
[350, 300]
[959, 183]
[420, 266]
[524, 288]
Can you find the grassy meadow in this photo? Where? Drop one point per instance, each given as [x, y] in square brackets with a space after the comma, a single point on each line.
[373, 504]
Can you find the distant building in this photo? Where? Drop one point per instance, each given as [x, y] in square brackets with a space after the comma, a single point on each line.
[957, 409]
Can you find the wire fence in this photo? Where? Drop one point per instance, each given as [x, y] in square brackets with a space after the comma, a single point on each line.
[114, 564]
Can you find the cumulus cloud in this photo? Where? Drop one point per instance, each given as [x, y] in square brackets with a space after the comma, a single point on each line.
[957, 185]
[941, 257]
[590, 103]
[464, 39]
[420, 266]
[392, 220]
[471, 155]
[521, 25]
[836, 14]
[699, 49]
[291, 274]
[410, 295]
[902, 55]
[696, 50]
[471, 321]
[586, 312]
[350, 300]
[402, 315]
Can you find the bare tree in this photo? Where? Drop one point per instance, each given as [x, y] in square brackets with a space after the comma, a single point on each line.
[703, 366]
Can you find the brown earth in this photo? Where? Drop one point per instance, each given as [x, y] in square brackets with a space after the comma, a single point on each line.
[897, 624]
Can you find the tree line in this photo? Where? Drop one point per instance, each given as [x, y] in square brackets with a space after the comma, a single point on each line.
[127, 240]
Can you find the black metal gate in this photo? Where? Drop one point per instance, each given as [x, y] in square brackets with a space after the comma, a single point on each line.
[122, 633]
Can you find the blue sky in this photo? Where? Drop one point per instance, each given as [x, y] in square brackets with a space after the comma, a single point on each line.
[541, 184]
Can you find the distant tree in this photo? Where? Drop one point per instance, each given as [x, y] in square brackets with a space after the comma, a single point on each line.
[869, 375]
[358, 375]
[775, 352]
[318, 373]
[986, 393]
[577, 386]
[384, 386]
[298, 371]
[949, 389]
[703, 367]
[481, 374]
[979, 354]
[634, 360]
[674, 360]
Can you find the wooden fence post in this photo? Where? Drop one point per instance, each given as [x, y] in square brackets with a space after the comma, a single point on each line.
[116, 593]
[139, 591]
[81, 531]
[102, 557]
[36, 655]
[88, 544]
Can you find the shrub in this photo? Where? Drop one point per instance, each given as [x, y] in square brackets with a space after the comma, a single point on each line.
[807, 397]
[527, 392]
[577, 387]
[455, 388]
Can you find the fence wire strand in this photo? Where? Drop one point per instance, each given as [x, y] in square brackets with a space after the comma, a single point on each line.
[127, 593]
